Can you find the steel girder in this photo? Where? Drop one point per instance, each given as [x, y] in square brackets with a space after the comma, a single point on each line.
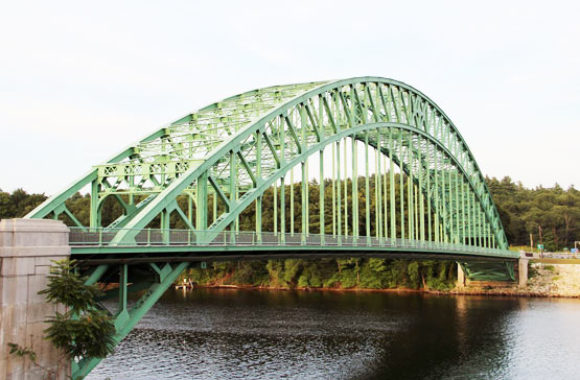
[237, 148]
[128, 315]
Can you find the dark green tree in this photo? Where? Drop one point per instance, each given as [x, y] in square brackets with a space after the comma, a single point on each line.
[83, 330]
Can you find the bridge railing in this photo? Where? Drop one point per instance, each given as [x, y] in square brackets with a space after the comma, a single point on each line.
[175, 237]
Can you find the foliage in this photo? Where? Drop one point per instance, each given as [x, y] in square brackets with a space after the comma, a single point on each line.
[18, 204]
[551, 215]
[27, 353]
[532, 270]
[83, 330]
[22, 352]
[329, 273]
[68, 288]
[89, 335]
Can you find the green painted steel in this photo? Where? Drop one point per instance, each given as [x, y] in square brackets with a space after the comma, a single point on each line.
[127, 317]
[393, 174]
[237, 148]
[181, 241]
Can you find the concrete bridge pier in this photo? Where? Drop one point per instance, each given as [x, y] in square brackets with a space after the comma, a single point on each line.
[27, 247]
[523, 272]
[460, 276]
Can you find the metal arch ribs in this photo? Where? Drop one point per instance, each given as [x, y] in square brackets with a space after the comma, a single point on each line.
[167, 195]
[175, 188]
[227, 218]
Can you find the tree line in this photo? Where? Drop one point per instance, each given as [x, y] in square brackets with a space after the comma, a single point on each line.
[550, 215]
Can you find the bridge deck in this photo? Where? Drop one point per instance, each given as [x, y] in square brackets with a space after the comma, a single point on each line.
[181, 245]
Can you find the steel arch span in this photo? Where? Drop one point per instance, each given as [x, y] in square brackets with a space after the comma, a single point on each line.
[360, 166]
[415, 175]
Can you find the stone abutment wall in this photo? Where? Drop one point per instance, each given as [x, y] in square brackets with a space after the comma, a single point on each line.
[27, 248]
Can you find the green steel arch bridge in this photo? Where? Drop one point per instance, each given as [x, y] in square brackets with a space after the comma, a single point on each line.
[365, 167]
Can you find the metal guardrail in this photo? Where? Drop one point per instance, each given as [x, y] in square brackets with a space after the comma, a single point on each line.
[558, 255]
[79, 237]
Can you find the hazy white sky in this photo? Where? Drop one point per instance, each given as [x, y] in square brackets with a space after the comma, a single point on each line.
[79, 81]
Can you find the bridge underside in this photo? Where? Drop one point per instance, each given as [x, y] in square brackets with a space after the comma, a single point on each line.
[135, 255]
[150, 272]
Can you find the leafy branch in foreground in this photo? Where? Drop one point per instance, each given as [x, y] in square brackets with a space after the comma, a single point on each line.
[27, 353]
[83, 330]
[22, 352]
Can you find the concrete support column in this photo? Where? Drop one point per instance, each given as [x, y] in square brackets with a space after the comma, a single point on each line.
[27, 247]
[523, 272]
[460, 276]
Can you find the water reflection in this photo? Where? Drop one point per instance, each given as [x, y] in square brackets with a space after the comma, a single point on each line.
[228, 333]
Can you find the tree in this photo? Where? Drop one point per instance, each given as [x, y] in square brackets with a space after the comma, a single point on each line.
[19, 203]
[83, 330]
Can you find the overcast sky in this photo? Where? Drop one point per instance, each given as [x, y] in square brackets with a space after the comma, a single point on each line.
[79, 81]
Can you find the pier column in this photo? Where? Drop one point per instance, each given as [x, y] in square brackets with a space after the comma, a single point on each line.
[27, 247]
[523, 272]
[460, 276]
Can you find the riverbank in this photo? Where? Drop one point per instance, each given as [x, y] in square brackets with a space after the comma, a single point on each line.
[546, 280]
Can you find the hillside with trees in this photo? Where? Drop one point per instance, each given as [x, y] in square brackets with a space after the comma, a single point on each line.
[550, 215]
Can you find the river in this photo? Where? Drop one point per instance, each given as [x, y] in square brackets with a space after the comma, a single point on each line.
[263, 334]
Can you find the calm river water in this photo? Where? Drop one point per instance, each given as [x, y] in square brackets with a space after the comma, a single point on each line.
[257, 334]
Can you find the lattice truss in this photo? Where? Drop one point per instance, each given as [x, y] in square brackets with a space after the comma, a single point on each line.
[234, 150]
[155, 163]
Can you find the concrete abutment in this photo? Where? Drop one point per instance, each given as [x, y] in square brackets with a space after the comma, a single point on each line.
[27, 249]
[523, 272]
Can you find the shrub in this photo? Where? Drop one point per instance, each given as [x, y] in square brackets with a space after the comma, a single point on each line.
[83, 330]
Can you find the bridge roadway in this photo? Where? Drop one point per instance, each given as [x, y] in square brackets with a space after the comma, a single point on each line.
[155, 245]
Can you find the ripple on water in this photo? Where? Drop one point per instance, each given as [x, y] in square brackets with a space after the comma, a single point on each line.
[217, 334]
[155, 354]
